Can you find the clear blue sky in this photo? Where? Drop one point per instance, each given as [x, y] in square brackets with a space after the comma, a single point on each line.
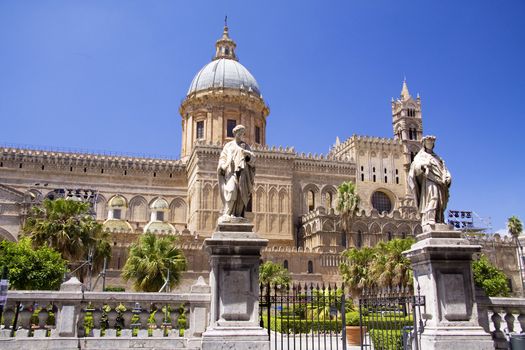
[110, 75]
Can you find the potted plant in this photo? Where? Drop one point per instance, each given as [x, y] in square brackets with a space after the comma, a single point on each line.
[353, 328]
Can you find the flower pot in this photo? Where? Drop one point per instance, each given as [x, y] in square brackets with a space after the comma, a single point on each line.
[353, 335]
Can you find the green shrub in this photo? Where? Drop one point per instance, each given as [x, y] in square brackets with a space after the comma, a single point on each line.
[352, 318]
[382, 322]
[114, 289]
[386, 339]
[290, 326]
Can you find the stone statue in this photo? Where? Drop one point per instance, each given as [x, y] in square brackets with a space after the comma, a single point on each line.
[429, 180]
[236, 173]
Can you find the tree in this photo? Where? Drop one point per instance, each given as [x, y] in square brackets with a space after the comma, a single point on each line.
[67, 226]
[491, 279]
[32, 269]
[515, 228]
[355, 269]
[274, 274]
[150, 259]
[390, 268]
[381, 266]
[347, 203]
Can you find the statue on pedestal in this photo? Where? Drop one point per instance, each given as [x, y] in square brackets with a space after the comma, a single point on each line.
[236, 174]
[429, 180]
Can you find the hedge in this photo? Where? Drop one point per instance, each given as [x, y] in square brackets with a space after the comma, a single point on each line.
[386, 339]
[293, 325]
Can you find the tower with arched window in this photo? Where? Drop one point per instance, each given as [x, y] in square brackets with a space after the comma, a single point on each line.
[407, 122]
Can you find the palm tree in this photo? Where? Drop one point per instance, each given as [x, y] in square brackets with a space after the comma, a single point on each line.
[355, 269]
[152, 261]
[68, 226]
[390, 268]
[274, 274]
[515, 228]
[347, 203]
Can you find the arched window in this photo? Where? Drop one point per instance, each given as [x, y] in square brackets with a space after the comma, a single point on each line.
[389, 235]
[381, 202]
[343, 239]
[311, 200]
[328, 200]
[200, 130]
[359, 240]
[403, 235]
[310, 266]
[285, 264]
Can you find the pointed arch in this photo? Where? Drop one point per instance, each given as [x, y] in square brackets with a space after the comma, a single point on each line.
[101, 207]
[178, 210]
[260, 200]
[6, 235]
[138, 209]
[216, 198]
[207, 192]
[273, 205]
[283, 201]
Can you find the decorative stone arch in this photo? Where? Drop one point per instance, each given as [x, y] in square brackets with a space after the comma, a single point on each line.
[207, 193]
[404, 231]
[216, 198]
[310, 197]
[260, 199]
[138, 209]
[273, 200]
[283, 201]
[328, 225]
[374, 228]
[389, 231]
[359, 233]
[417, 230]
[328, 196]
[101, 207]
[6, 235]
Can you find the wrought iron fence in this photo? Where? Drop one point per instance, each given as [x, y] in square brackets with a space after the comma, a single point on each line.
[390, 319]
[303, 316]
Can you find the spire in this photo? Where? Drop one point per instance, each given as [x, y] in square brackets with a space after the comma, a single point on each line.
[337, 141]
[405, 95]
[225, 46]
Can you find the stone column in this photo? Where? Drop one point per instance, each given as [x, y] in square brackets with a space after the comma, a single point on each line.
[235, 251]
[67, 319]
[442, 264]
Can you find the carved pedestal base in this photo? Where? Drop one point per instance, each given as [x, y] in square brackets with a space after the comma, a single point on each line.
[441, 261]
[235, 252]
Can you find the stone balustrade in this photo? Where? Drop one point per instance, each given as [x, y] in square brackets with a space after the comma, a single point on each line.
[501, 317]
[73, 319]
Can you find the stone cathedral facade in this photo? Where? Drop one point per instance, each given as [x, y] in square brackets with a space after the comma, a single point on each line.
[293, 204]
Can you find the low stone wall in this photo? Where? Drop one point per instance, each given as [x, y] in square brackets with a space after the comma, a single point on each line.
[74, 319]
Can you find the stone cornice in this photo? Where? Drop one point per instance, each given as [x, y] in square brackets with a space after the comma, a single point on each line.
[91, 160]
[214, 96]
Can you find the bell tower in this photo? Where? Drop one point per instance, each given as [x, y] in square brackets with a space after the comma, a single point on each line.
[407, 121]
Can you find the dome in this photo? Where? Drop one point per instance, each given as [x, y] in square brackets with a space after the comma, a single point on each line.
[159, 204]
[224, 73]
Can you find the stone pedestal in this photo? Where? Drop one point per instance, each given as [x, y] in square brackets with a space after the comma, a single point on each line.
[442, 261]
[235, 252]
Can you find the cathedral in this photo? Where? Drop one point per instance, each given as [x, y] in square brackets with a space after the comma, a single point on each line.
[293, 202]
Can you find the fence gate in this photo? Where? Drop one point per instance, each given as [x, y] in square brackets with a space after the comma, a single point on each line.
[303, 316]
[391, 319]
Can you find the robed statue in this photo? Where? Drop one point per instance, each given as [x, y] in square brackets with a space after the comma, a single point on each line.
[429, 180]
[236, 173]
